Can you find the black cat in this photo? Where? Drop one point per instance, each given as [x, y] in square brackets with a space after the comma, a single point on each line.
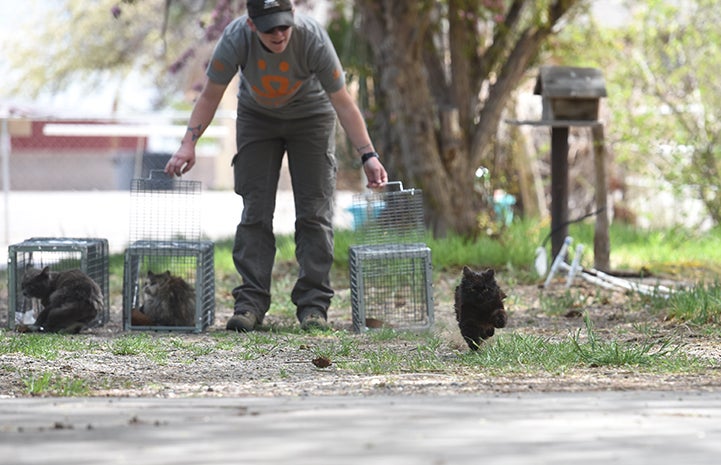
[479, 306]
[70, 299]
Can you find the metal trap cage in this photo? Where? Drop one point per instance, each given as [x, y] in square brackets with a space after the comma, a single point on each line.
[392, 216]
[165, 237]
[89, 255]
[390, 267]
[391, 286]
[190, 261]
[164, 209]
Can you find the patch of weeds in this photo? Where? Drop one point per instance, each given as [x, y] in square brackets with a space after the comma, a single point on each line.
[257, 344]
[190, 347]
[377, 362]
[335, 349]
[555, 304]
[382, 334]
[111, 383]
[47, 346]
[651, 353]
[7, 368]
[424, 357]
[699, 305]
[712, 331]
[520, 353]
[48, 384]
[645, 328]
[420, 352]
[260, 338]
[654, 303]
[225, 340]
[139, 344]
[392, 334]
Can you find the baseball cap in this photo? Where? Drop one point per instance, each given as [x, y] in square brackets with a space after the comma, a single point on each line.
[267, 14]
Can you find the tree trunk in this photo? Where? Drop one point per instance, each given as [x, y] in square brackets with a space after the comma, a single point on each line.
[433, 135]
[601, 240]
[413, 141]
[708, 165]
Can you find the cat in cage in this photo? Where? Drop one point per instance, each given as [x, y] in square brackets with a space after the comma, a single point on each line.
[70, 299]
[168, 300]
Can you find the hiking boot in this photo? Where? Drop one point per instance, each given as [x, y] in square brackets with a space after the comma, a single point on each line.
[242, 322]
[313, 318]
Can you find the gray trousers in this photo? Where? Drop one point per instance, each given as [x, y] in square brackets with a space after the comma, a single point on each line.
[262, 142]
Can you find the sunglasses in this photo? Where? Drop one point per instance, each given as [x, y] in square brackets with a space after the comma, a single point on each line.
[277, 28]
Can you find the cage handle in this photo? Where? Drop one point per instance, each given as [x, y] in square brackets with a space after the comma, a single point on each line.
[157, 174]
[394, 186]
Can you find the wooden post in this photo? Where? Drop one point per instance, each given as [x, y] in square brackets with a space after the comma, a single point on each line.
[601, 242]
[559, 187]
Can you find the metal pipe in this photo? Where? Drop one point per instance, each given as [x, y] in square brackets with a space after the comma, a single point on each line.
[5, 162]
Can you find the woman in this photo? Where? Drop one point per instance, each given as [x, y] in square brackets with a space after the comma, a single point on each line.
[292, 88]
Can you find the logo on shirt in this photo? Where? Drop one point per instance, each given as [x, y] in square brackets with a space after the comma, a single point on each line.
[276, 89]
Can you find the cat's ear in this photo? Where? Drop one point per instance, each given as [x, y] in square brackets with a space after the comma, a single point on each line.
[167, 273]
[46, 271]
[467, 271]
[489, 273]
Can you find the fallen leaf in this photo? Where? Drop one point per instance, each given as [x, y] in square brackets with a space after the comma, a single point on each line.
[322, 362]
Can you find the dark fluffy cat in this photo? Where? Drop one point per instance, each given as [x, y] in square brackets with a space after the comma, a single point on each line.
[168, 300]
[479, 306]
[70, 299]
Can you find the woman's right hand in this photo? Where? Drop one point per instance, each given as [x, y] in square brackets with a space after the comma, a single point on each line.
[375, 173]
[182, 161]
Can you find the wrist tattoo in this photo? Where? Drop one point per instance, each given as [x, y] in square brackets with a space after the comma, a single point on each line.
[362, 147]
[195, 132]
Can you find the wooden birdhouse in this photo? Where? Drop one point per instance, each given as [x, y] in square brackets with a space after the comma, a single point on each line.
[569, 93]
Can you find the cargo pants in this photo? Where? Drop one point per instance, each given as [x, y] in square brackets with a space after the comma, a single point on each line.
[262, 142]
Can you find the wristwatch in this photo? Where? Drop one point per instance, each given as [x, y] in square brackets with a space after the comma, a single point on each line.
[367, 156]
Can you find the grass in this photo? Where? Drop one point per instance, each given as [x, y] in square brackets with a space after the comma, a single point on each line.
[515, 353]
[559, 305]
[140, 344]
[699, 305]
[47, 383]
[672, 251]
[676, 252]
[43, 346]
[648, 352]
[422, 353]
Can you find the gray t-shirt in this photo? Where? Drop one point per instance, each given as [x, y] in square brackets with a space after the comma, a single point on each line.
[287, 85]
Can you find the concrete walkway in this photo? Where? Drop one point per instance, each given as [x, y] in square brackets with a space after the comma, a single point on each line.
[551, 428]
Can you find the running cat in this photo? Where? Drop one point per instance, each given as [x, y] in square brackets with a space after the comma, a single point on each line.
[479, 306]
[70, 299]
[168, 300]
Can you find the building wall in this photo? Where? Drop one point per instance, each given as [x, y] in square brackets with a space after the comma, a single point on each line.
[41, 162]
